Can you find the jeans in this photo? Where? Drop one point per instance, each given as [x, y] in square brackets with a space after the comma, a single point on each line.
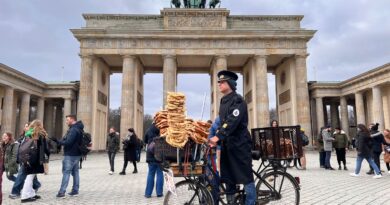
[370, 161]
[376, 157]
[70, 166]
[250, 191]
[322, 158]
[154, 169]
[19, 181]
[111, 158]
[328, 154]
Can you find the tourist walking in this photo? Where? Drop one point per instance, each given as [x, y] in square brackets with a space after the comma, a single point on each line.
[328, 139]
[130, 146]
[386, 148]
[377, 141]
[70, 163]
[154, 169]
[36, 147]
[21, 176]
[234, 138]
[112, 147]
[364, 151]
[10, 148]
[341, 146]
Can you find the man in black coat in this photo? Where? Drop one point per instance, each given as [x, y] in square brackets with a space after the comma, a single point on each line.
[234, 138]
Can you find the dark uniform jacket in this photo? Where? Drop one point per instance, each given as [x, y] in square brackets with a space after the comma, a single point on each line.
[235, 140]
[363, 145]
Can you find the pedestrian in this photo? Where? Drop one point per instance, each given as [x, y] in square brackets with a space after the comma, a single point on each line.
[364, 151]
[10, 148]
[377, 141]
[1, 172]
[274, 123]
[328, 139]
[33, 164]
[72, 155]
[341, 146]
[305, 141]
[131, 147]
[112, 147]
[386, 148]
[234, 138]
[214, 162]
[154, 169]
[320, 147]
[21, 176]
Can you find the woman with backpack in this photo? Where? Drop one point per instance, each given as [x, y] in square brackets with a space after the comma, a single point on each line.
[130, 146]
[32, 154]
[10, 148]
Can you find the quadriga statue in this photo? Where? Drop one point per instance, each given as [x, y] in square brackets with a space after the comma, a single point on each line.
[195, 3]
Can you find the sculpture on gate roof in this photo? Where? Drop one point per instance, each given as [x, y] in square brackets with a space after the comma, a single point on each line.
[201, 4]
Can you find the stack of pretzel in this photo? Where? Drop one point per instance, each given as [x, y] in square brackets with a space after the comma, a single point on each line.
[176, 135]
[198, 131]
[161, 120]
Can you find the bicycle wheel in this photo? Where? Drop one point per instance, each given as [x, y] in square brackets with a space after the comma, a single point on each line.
[189, 193]
[286, 189]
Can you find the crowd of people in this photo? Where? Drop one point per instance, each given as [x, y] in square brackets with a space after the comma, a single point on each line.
[24, 158]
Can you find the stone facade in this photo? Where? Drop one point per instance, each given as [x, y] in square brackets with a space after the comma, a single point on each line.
[25, 99]
[364, 98]
[193, 41]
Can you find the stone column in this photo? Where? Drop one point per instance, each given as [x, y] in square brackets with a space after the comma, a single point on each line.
[48, 122]
[344, 115]
[67, 111]
[169, 75]
[320, 113]
[24, 111]
[58, 122]
[41, 109]
[85, 92]
[302, 93]
[8, 114]
[220, 63]
[334, 116]
[360, 113]
[377, 107]
[128, 92]
[262, 100]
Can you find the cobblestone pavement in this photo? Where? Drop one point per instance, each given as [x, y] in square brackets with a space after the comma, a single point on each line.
[318, 186]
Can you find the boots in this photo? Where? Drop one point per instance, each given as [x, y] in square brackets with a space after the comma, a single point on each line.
[345, 167]
[339, 167]
[122, 172]
[135, 171]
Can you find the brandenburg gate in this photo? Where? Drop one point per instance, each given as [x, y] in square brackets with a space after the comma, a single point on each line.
[192, 41]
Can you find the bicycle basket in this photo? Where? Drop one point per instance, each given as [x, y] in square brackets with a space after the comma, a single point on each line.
[187, 169]
[279, 143]
[165, 152]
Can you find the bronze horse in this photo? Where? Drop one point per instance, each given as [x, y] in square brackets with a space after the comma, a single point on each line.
[214, 3]
[176, 3]
[193, 3]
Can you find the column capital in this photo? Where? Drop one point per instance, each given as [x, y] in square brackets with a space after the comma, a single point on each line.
[376, 87]
[128, 55]
[87, 55]
[221, 55]
[301, 55]
[260, 56]
[169, 56]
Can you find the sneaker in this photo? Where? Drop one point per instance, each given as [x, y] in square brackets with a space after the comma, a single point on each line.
[60, 195]
[388, 172]
[73, 193]
[13, 196]
[31, 199]
[353, 174]
[377, 176]
[110, 172]
[146, 196]
[160, 195]
[37, 197]
[370, 172]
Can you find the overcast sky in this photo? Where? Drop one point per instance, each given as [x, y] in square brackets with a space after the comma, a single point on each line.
[353, 36]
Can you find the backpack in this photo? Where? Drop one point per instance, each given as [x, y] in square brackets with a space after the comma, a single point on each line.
[28, 152]
[305, 140]
[85, 143]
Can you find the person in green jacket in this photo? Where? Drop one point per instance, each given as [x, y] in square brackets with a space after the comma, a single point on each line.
[10, 148]
[341, 146]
